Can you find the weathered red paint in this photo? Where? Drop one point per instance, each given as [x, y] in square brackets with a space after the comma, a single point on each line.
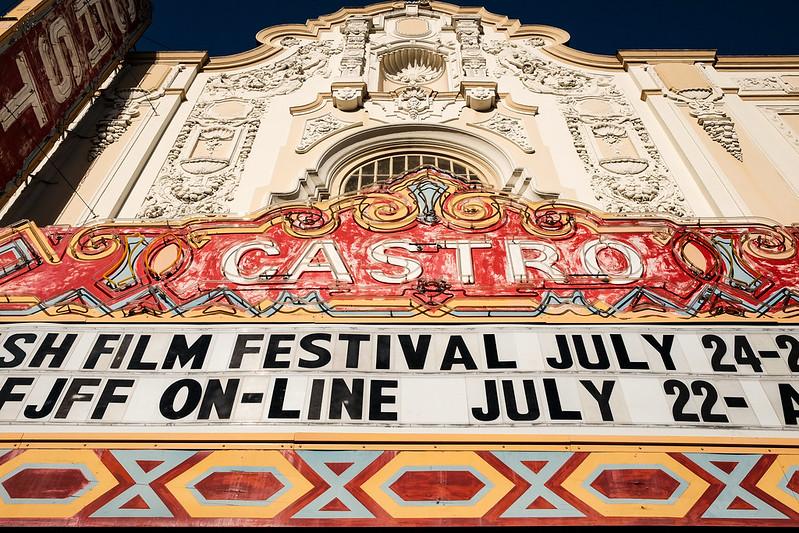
[437, 485]
[652, 484]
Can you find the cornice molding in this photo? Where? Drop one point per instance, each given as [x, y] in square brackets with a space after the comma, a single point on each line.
[556, 38]
[630, 57]
[21, 13]
[575, 57]
[168, 57]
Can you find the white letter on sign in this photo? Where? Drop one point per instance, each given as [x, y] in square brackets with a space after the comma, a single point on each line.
[464, 257]
[100, 43]
[55, 52]
[230, 262]
[26, 97]
[635, 268]
[411, 269]
[545, 261]
[333, 262]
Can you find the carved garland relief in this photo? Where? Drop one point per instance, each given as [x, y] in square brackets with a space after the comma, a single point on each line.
[122, 106]
[318, 129]
[203, 168]
[626, 169]
[704, 104]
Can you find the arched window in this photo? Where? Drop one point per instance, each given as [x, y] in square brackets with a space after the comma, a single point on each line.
[384, 167]
[379, 153]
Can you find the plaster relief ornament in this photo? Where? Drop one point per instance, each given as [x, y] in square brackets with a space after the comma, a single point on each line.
[282, 77]
[412, 66]
[288, 42]
[356, 34]
[543, 76]
[414, 102]
[481, 98]
[347, 98]
[318, 129]
[511, 128]
[122, 107]
[467, 30]
[203, 169]
[774, 114]
[630, 177]
[768, 83]
[703, 103]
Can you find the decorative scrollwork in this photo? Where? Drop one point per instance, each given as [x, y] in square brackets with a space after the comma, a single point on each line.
[307, 222]
[93, 243]
[472, 210]
[696, 254]
[769, 243]
[547, 221]
[385, 212]
[166, 257]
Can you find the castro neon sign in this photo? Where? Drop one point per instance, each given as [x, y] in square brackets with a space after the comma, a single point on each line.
[523, 260]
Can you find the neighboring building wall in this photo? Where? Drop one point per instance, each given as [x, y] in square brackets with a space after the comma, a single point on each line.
[53, 56]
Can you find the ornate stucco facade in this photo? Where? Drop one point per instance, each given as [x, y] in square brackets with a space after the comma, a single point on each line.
[422, 179]
[173, 134]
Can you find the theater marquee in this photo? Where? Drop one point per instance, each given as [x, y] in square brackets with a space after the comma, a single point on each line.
[425, 352]
[532, 378]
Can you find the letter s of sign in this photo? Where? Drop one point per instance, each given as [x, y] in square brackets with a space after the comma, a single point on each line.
[232, 258]
[635, 266]
[411, 269]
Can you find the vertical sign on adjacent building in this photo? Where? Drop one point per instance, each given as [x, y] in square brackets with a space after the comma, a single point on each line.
[49, 67]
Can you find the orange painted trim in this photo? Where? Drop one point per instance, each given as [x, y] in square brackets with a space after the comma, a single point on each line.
[396, 440]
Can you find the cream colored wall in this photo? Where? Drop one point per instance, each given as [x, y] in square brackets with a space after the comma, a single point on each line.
[636, 133]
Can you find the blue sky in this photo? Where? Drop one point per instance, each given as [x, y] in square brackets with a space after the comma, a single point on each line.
[733, 27]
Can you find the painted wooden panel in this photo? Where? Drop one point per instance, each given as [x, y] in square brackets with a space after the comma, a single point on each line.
[368, 485]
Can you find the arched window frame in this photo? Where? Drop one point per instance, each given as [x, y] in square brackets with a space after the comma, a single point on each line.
[325, 179]
[386, 166]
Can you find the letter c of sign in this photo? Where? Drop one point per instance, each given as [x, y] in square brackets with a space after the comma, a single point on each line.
[232, 258]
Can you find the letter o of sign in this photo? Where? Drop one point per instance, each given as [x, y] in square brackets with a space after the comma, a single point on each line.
[635, 266]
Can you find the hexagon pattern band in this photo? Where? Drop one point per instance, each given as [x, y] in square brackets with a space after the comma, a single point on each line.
[423, 486]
